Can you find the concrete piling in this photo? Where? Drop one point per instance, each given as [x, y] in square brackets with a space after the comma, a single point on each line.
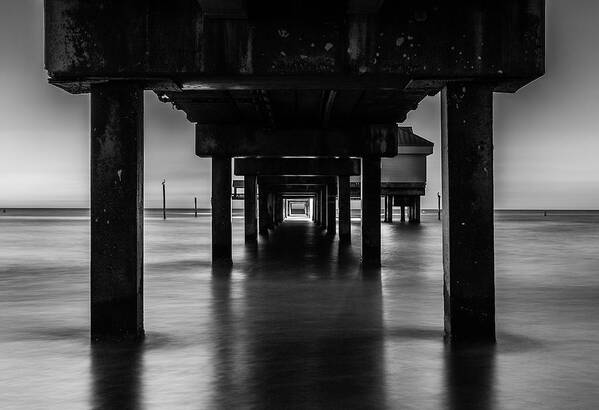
[262, 211]
[371, 212]
[468, 250]
[117, 161]
[249, 206]
[344, 209]
[221, 210]
[331, 190]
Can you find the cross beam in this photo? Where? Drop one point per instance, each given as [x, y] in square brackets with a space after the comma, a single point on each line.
[296, 166]
[248, 141]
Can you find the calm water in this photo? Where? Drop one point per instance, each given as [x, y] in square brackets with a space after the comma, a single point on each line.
[295, 325]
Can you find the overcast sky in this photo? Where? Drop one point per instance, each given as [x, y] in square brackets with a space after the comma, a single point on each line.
[546, 142]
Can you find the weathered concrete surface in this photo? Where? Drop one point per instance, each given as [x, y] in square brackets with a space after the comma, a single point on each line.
[117, 159]
[467, 170]
[296, 166]
[371, 212]
[331, 190]
[344, 210]
[262, 214]
[416, 210]
[323, 207]
[295, 180]
[249, 141]
[249, 208]
[221, 210]
[278, 209]
[388, 208]
[317, 209]
[173, 41]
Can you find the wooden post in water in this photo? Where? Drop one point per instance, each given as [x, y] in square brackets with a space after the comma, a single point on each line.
[164, 199]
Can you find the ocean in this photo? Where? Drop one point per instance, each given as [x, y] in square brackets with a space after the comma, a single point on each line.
[295, 324]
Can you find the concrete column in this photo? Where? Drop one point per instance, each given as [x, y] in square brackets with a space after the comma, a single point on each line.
[269, 217]
[344, 210]
[275, 209]
[371, 211]
[249, 208]
[331, 209]
[279, 209]
[416, 210]
[272, 210]
[403, 212]
[221, 210]
[323, 209]
[117, 161]
[262, 211]
[468, 248]
[389, 208]
[385, 208]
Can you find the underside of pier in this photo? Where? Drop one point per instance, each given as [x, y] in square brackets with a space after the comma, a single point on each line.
[276, 79]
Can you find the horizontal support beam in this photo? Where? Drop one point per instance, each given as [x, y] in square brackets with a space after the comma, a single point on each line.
[109, 39]
[296, 180]
[296, 166]
[247, 141]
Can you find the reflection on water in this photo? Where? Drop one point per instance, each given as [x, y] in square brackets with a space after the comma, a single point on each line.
[469, 377]
[115, 372]
[295, 323]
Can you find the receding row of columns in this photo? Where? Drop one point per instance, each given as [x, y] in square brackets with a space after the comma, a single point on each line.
[117, 210]
[323, 214]
[413, 207]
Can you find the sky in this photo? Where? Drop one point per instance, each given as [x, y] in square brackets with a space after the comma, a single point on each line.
[545, 136]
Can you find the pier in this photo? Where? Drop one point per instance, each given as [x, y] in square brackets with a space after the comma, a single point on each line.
[305, 97]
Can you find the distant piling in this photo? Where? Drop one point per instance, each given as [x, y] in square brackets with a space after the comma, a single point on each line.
[195, 206]
[438, 206]
[164, 199]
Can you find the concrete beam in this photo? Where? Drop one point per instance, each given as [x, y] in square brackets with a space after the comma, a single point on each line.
[249, 141]
[229, 9]
[117, 159]
[296, 166]
[107, 39]
[289, 180]
[468, 247]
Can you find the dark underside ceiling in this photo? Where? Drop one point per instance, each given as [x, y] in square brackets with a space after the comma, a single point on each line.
[297, 108]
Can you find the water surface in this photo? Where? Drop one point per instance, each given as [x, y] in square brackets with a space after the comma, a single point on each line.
[295, 324]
